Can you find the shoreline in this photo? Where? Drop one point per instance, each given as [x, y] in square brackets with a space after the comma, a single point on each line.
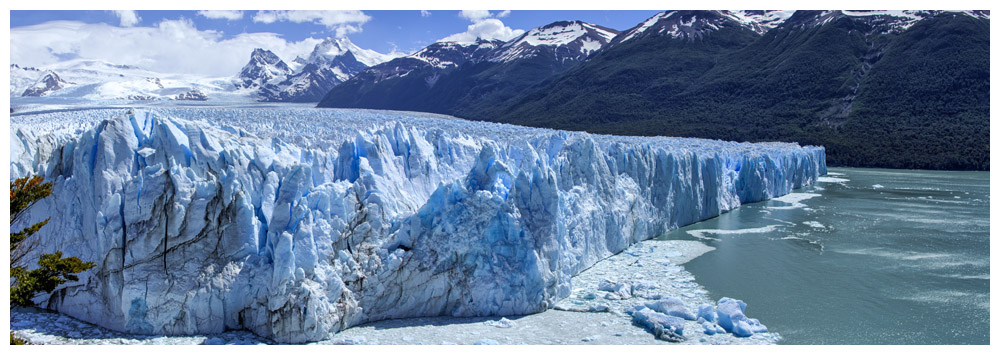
[587, 316]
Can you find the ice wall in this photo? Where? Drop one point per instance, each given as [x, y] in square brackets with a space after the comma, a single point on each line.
[295, 223]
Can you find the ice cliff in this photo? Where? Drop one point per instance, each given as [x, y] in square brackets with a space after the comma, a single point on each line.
[296, 223]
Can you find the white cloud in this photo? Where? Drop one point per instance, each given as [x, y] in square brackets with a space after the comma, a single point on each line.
[490, 28]
[395, 52]
[425, 13]
[484, 25]
[342, 22]
[171, 46]
[127, 18]
[230, 15]
[475, 15]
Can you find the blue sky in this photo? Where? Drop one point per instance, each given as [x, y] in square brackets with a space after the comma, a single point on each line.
[381, 30]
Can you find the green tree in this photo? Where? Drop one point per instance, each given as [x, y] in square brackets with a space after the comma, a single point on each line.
[53, 270]
[14, 340]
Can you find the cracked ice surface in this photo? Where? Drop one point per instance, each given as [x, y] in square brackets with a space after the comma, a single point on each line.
[653, 263]
[295, 223]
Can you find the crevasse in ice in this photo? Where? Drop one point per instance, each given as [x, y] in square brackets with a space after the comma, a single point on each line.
[296, 223]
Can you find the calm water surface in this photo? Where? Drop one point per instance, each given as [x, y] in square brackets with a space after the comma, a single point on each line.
[867, 256]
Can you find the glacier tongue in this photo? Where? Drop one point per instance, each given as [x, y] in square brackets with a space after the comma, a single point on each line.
[296, 223]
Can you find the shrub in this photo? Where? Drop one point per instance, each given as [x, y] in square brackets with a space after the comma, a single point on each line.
[53, 270]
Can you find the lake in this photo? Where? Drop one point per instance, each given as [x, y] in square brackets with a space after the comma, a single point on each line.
[865, 256]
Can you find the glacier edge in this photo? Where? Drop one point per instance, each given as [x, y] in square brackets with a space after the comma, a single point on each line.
[203, 220]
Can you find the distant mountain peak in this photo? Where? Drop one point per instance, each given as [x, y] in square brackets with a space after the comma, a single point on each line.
[48, 82]
[332, 61]
[565, 32]
[760, 21]
[885, 21]
[692, 24]
[264, 56]
[263, 67]
[332, 48]
[452, 54]
[566, 39]
[683, 24]
[15, 66]
[890, 21]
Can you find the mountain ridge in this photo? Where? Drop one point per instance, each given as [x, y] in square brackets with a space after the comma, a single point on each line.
[762, 75]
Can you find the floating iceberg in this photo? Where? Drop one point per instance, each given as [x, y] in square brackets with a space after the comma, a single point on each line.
[295, 223]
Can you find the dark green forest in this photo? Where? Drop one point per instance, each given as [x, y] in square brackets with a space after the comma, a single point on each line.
[918, 98]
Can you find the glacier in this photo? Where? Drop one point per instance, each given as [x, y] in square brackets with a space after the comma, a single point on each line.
[295, 223]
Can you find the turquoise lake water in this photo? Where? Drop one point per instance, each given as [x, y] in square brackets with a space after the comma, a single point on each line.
[865, 256]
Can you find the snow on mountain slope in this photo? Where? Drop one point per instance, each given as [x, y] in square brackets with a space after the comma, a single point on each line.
[308, 85]
[21, 78]
[760, 21]
[331, 62]
[100, 81]
[443, 55]
[565, 39]
[332, 48]
[888, 21]
[263, 67]
[436, 57]
[295, 223]
[882, 21]
[693, 24]
[46, 84]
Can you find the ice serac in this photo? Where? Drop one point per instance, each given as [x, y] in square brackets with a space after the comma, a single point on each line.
[296, 223]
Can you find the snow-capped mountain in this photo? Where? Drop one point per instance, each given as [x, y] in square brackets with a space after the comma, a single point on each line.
[695, 24]
[881, 21]
[21, 78]
[445, 76]
[330, 63]
[759, 21]
[434, 59]
[831, 77]
[263, 67]
[47, 83]
[566, 40]
[690, 25]
[308, 85]
[265, 77]
[332, 50]
[192, 95]
[97, 80]
[444, 55]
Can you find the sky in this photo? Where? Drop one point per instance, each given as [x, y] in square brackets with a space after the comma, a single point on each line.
[164, 40]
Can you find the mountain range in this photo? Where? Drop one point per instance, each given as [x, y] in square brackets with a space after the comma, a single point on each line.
[452, 76]
[96, 80]
[332, 62]
[265, 77]
[896, 89]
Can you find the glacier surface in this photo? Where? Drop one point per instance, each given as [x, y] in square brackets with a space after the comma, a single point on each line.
[295, 223]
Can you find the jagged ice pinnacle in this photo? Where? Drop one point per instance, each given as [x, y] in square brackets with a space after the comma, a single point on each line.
[296, 223]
